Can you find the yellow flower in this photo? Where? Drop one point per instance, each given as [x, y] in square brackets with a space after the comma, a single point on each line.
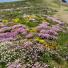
[44, 21]
[5, 21]
[51, 45]
[46, 45]
[31, 17]
[40, 40]
[16, 20]
[32, 30]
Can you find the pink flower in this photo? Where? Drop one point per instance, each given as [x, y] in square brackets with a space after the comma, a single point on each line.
[55, 20]
[56, 28]
[44, 35]
[20, 30]
[51, 32]
[18, 26]
[15, 64]
[43, 25]
[27, 43]
[5, 29]
[29, 35]
[43, 31]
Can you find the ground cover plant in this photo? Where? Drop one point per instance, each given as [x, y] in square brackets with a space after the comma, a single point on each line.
[31, 36]
[33, 41]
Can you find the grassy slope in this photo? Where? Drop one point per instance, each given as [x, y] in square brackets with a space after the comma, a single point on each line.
[62, 14]
[49, 3]
[62, 9]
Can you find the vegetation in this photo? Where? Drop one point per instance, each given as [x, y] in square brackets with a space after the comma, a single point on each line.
[30, 35]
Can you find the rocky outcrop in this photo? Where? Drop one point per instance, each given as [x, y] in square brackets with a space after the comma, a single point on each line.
[64, 1]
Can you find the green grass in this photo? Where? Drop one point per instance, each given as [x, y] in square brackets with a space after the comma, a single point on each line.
[65, 9]
[63, 38]
[57, 60]
[3, 65]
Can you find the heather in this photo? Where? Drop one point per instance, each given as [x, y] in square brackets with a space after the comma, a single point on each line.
[31, 36]
[33, 41]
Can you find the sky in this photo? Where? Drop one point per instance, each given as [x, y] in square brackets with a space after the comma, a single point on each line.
[6, 0]
[67, 0]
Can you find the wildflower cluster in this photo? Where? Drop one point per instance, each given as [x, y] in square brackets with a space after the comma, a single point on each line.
[10, 33]
[46, 31]
[22, 46]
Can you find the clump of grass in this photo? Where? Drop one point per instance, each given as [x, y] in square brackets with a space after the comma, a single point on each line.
[63, 37]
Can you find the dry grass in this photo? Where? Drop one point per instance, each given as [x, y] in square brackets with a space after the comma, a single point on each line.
[62, 14]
